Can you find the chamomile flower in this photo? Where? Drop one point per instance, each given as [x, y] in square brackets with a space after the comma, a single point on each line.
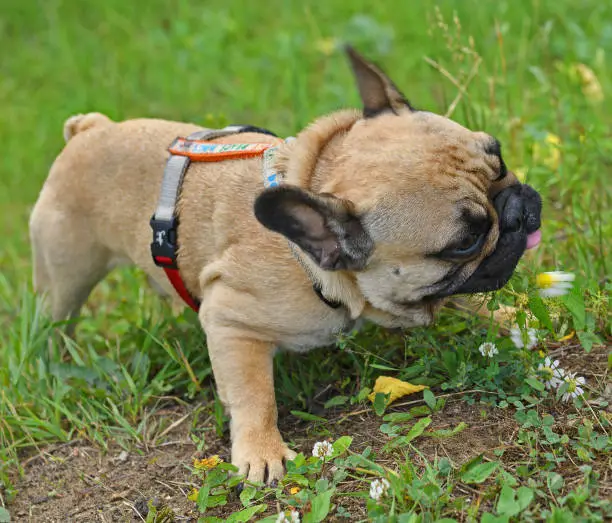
[552, 373]
[574, 388]
[322, 449]
[293, 517]
[553, 284]
[528, 341]
[488, 349]
[379, 488]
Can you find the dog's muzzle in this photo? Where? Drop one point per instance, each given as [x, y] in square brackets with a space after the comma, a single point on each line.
[519, 208]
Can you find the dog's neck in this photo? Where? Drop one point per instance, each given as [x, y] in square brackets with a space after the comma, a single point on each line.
[306, 162]
[308, 159]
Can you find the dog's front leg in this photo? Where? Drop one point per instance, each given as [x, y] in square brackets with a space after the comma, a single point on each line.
[245, 382]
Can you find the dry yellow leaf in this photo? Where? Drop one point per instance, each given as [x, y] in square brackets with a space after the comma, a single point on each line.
[395, 388]
[567, 337]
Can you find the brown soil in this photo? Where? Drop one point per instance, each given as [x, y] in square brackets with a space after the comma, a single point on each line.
[76, 482]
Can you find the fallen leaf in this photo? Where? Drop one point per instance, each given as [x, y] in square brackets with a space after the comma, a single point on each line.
[193, 495]
[395, 388]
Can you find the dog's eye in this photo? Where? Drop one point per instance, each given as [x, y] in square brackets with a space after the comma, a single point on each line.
[468, 242]
[470, 245]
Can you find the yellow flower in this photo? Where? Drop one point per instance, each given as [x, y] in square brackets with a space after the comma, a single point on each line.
[591, 87]
[294, 490]
[207, 463]
[548, 152]
[394, 387]
[326, 46]
[521, 174]
[193, 495]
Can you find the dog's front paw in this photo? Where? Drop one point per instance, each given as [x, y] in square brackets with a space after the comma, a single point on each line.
[260, 456]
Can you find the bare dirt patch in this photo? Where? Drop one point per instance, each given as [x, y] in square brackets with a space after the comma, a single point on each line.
[78, 482]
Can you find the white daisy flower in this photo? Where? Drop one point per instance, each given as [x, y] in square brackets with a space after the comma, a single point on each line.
[379, 488]
[488, 349]
[294, 517]
[322, 449]
[554, 283]
[528, 341]
[574, 388]
[552, 373]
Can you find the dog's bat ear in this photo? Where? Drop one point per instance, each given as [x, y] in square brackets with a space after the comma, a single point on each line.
[323, 226]
[377, 91]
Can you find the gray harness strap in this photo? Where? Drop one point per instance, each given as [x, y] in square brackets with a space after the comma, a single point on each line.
[177, 166]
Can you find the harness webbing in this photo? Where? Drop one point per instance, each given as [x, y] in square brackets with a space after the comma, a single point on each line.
[164, 222]
[197, 148]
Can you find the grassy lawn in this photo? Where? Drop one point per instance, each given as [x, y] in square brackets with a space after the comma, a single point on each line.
[118, 423]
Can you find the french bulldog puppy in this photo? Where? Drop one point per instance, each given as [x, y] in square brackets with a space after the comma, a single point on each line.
[387, 211]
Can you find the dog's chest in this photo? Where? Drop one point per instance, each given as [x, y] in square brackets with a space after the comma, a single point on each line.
[321, 333]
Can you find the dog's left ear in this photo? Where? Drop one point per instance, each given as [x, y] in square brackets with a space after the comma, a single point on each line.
[322, 225]
[378, 93]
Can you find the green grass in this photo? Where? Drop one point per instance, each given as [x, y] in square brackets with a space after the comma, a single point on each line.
[278, 65]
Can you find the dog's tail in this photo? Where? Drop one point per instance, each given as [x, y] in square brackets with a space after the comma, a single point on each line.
[81, 122]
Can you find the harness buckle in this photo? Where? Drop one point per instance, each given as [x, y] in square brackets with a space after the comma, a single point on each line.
[163, 246]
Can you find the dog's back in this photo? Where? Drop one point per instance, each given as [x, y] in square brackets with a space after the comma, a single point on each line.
[92, 213]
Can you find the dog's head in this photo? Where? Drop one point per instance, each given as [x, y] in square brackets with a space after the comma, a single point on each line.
[414, 205]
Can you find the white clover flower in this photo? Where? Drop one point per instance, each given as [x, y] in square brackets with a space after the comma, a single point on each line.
[554, 283]
[552, 373]
[488, 349]
[294, 517]
[322, 449]
[574, 388]
[379, 488]
[516, 335]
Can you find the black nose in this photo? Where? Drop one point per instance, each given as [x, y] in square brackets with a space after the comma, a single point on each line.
[510, 207]
[514, 222]
[518, 207]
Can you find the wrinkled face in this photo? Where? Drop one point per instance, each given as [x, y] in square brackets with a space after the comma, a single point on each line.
[414, 205]
[439, 204]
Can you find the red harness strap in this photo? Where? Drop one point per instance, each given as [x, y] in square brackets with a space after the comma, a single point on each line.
[173, 274]
[179, 286]
[183, 151]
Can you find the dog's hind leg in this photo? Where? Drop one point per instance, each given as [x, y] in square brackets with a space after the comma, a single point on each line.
[68, 262]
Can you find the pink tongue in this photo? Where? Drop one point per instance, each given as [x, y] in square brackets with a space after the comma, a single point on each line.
[533, 239]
